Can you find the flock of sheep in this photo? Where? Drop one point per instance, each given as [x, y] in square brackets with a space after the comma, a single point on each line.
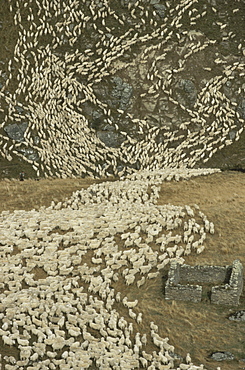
[62, 266]
[67, 53]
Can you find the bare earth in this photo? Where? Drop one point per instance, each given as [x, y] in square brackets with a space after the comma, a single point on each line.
[195, 328]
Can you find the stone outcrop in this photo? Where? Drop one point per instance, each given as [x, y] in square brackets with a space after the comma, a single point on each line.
[187, 283]
[222, 356]
[238, 316]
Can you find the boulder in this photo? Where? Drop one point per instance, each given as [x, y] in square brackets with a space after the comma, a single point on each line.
[160, 9]
[16, 131]
[238, 316]
[111, 139]
[188, 92]
[121, 92]
[222, 356]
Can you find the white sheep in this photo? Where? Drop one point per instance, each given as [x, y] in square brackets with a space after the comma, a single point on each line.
[132, 314]
[153, 326]
[129, 304]
[200, 249]
[7, 340]
[188, 358]
[139, 318]
[141, 282]
[152, 275]
[143, 361]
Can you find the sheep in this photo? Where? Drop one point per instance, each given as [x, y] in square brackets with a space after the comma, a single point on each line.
[144, 339]
[157, 342]
[5, 326]
[143, 361]
[145, 269]
[132, 314]
[136, 349]
[139, 318]
[200, 249]
[141, 282]
[7, 340]
[121, 323]
[129, 304]
[130, 328]
[152, 275]
[153, 326]
[188, 358]
[163, 358]
[129, 279]
[171, 250]
[184, 367]
[160, 266]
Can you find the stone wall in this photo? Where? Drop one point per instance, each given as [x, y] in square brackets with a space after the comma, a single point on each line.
[204, 274]
[183, 292]
[229, 278]
[174, 274]
[230, 293]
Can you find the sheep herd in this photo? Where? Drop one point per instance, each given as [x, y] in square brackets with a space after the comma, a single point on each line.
[98, 88]
[62, 266]
[177, 98]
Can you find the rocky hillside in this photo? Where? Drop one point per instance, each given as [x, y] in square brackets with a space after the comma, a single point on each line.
[95, 88]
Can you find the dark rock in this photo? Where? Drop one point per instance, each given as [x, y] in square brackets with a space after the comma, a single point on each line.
[36, 140]
[238, 316]
[232, 135]
[30, 154]
[241, 109]
[97, 120]
[188, 91]
[160, 9]
[126, 56]
[110, 138]
[150, 104]
[108, 128]
[121, 92]
[19, 109]
[16, 132]
[222, 356]
[175, 356]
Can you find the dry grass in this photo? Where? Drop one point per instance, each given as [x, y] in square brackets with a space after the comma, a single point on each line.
[197, 328]
[32, 194]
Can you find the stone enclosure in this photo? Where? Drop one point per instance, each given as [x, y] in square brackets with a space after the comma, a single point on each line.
[222, 284]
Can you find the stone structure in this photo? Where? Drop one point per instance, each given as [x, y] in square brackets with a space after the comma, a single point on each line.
[224, 284]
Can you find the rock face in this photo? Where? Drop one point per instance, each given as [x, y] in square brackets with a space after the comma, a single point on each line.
[187, 92]
[121, 93]
[241, 108]
[169, 79]
[238, 316]
[117, 93]
[110, 138]
[222, 356]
